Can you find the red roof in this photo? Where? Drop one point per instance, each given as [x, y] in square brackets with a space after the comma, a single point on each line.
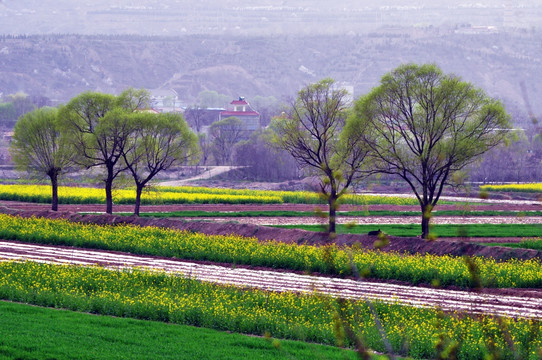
[239, 102]
[239, 113]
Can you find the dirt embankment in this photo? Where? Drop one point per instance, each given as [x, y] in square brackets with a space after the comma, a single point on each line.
[262, 233]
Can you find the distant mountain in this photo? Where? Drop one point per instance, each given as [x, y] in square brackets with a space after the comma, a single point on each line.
[256, 17]
[61, 66]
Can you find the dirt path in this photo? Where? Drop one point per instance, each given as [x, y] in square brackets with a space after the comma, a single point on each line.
[507, 302]
[207, 174]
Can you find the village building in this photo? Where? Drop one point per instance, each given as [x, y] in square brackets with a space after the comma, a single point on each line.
[242, 110]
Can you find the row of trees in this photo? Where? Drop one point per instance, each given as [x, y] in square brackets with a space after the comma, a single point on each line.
[14, 106]
[96, 130]
[419, 124]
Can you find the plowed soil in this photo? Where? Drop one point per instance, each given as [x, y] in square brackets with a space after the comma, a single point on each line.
[410, 245]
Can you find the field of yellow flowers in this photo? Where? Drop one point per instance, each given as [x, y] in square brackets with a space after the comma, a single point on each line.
[414, 332]
[446, 270]
[531, 187]
[183, 195]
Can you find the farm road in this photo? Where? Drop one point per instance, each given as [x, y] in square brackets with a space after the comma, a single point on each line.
[528, 305]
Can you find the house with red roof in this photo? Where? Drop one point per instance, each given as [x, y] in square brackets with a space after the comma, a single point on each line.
[242, 110]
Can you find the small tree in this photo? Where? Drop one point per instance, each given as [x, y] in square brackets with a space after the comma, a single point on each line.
[427, 126]
[157, 142]
[195, 117]
[314, 136]
[225, 134]
[38, 146]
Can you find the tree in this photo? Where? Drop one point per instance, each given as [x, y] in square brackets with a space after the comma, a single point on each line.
[38, 146]
[98, 134]
[22, 103]
[314, 136]
[261, 162]
[157, 142]
[134, 99]
[225, 134]
[195, 117]
[210, 98]
[7, 113]
[426, 126]
[205, 148]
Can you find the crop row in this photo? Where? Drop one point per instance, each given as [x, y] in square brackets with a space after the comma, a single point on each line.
[444, 270]
[76, 195]
[184, 195]
[295, 197]
[531, 187]
[162, 297]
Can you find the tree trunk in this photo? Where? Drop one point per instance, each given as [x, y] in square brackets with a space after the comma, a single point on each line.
[109, 196]
[332, 201]
[54, 188]
[139, 190]
[426, 218]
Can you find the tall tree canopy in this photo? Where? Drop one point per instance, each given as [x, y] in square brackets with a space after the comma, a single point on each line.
[39, 147]
[98, 129]
[427, 125]
[157, 142]
[313, 134]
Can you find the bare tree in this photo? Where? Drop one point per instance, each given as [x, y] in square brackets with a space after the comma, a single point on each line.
[426, 126]
[194, 115]
[225, 134]
[314, 136]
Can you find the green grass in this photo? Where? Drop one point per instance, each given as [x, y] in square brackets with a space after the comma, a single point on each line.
[441, 230]
[161, 297]
[30, 332]
[341, 213]
[535, 244]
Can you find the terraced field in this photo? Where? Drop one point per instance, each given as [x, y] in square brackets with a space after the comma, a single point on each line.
[438, 261]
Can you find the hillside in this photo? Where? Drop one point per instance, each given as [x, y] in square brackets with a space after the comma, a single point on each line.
[61, 66]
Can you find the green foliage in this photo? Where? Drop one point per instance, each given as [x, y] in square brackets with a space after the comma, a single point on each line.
[38, 145]
[213, 99]
[426, 126]
[7, 113]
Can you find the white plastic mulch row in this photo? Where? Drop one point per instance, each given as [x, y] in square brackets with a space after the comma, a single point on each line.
[524, 307]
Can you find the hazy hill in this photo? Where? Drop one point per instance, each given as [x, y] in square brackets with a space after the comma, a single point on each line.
[61, 66]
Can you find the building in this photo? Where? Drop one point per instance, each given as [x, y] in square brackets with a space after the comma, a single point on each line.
[242, 110]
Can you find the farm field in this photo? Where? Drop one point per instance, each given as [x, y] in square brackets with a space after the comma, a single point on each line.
[68, 335]
[442, 281]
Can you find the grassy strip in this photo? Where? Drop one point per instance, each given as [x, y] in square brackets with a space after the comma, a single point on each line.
[161, 297]
[197, 213]
[440, 230]
[446, 270]
[73, 335]
[535, 244]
